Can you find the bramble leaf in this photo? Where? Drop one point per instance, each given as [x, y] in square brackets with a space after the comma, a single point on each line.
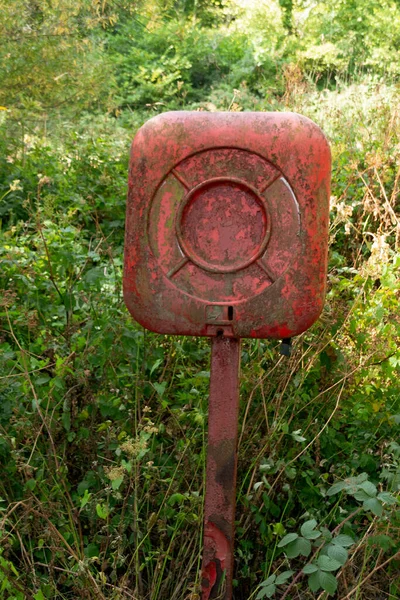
[310, 568]
[387, 498]
[328, 582]
[308, 530]
[369, 488]
[282, 577]
[326, 563]
[336, 488]
[266, 592]
[338, 553]
[290, 537]
[299, 546]
[360, 495]
[269, 581]
[374, 506]
[343, 540]
[313, 581]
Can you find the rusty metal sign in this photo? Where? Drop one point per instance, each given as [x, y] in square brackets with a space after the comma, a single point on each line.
[226, 236]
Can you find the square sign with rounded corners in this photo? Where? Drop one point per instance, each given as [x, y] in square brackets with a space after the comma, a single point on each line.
[227, 224]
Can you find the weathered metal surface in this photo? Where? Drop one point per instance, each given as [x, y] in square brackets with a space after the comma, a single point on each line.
[227, 224]
[219, 508]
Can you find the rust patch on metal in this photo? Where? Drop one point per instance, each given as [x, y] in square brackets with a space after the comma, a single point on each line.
[224, 456]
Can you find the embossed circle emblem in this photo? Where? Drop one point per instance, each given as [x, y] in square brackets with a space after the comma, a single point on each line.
[223, 225]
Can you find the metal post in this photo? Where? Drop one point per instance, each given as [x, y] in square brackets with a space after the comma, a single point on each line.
[219, 509]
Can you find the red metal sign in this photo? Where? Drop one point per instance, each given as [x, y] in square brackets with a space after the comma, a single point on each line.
[226, 236]
[227, 224]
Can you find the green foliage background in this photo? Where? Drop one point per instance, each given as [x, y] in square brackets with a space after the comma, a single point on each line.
[102, 424]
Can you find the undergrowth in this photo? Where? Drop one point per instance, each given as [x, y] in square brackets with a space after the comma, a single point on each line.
[103, 425]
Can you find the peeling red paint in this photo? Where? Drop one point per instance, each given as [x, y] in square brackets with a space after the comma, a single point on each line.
[215, 553]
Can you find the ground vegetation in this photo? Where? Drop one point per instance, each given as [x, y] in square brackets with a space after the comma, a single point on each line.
[102, 424]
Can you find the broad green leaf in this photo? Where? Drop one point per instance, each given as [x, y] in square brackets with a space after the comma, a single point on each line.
[269, 581]
[313, 581]
[39, 595]
[102, 511]
[116, 483]
[369, 488]
[360, 495]
[94, 275]
[160, 387]
[328, 582]
[92, 550]
[343, 540]
[326, 534]
[290, 472]
[387, 498]
[127, 464]
[282, 577]
[326, 563]
[31, 484]
[308, 526]
[266, 592]
[176, 499]
[374, 506]
[299, 546]
[308, 530]
[336, 488]
[310, 568]
[347, 484]
[338, 553]
[290, 537]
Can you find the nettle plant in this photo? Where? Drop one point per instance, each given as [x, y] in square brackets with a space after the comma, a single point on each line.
[329, 552]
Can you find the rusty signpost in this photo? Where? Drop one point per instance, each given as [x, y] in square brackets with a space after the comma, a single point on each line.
[226, 237]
